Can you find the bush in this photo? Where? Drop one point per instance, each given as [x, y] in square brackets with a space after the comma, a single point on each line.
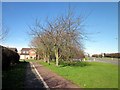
[73, 63]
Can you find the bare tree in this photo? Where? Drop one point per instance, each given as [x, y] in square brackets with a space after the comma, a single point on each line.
[41, 40]
[62, 36]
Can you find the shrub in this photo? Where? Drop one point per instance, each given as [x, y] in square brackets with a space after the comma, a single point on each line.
[73, 63]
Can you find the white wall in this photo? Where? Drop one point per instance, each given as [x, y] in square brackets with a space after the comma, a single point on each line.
[24, 56]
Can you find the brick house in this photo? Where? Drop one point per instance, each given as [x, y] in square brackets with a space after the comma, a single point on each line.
[27, 53]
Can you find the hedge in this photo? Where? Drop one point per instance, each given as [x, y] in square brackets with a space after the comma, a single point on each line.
[111, 55]
[9, 58]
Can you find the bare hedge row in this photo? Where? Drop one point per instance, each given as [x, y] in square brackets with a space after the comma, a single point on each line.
[111, 55]
[9, 57]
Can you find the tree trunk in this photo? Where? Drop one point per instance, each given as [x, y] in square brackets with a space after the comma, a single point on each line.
[37, 55]
[48, 59]
[45, 57]
[56, 55]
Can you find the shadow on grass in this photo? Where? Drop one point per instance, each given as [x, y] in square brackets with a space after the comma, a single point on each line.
[14, 76]
[20, 76]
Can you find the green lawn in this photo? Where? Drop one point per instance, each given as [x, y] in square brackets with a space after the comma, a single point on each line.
[14, 77]
[89, 75]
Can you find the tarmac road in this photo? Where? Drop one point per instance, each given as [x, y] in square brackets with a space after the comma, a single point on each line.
[114, 61]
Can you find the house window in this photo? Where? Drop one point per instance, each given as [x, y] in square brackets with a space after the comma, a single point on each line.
[23, 51]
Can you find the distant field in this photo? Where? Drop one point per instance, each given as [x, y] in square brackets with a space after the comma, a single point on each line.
[93, 75]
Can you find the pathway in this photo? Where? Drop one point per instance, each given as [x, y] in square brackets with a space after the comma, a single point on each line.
[31, 78]
[52, 79]
[37, 76]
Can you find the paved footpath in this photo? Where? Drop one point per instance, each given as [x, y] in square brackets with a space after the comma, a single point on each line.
[32, 80]
[52, 79]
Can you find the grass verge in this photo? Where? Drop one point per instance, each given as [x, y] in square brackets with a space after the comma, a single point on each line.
[88, 75]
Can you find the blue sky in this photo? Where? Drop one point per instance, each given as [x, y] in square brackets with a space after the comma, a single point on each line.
[101, 24]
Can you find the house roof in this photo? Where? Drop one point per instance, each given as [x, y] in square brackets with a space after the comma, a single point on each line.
[25, 49]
